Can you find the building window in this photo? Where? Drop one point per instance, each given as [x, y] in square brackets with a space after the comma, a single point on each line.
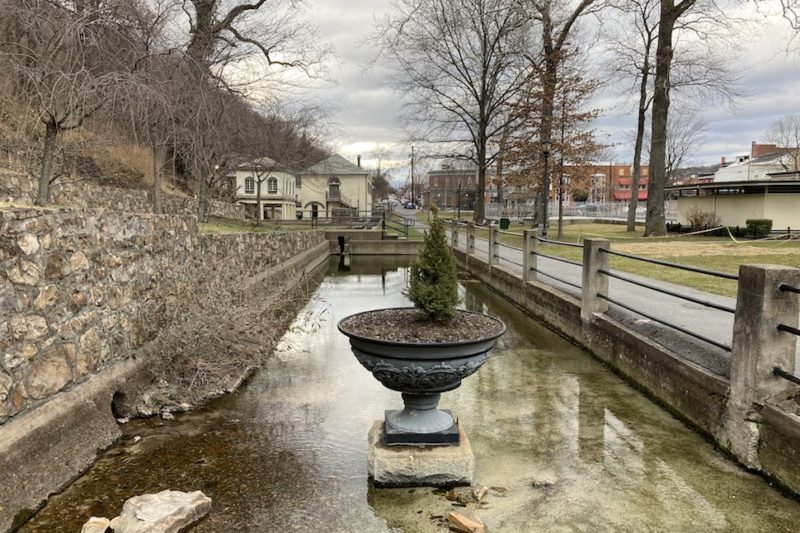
[249, 185]
[272, 186]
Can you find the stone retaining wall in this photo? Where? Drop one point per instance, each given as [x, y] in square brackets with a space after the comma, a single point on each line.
[81, 294]
[19, 188]
[80, 289]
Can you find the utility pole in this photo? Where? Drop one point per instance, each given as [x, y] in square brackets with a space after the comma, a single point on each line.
[413, 198]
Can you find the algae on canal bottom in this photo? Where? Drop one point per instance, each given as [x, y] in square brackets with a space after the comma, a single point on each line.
[563, 443]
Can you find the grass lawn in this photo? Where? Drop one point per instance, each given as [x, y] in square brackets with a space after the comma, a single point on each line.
[714, 253]
[227, 225]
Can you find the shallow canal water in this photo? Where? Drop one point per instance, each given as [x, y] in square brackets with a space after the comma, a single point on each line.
[563, 442]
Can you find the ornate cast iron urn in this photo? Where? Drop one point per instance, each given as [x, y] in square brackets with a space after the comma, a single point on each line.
[421, 372]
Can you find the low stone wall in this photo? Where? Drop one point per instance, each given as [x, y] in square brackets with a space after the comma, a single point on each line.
[82, 293]
[19, 188]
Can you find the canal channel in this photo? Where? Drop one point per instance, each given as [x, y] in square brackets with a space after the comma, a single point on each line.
[562, 443]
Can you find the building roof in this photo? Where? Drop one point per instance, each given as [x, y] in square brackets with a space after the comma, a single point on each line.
[778, 184]
[334, 165]
[263, 163]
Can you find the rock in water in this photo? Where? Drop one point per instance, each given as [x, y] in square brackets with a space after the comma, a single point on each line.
[96, 525]
[465, 521]
[169, 511]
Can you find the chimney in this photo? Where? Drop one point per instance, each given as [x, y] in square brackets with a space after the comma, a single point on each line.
[722, 160]
[358, 161]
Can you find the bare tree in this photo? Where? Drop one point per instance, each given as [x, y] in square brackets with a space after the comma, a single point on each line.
[66, 59]
[381, 186]
[785, 133]
[573, 141]
[459, 63]
[237, 47]
[698, 68]
[685, 137]
[557, 23]
[633, 41]
[670, 15]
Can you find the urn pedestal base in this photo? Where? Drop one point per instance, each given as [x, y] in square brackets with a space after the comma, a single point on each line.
[398, 434]
[417, 466]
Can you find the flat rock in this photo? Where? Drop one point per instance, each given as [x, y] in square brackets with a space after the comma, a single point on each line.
[169, 511]
[96, 525]
[465, 521]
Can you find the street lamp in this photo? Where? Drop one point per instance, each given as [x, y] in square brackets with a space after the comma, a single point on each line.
[546, 145]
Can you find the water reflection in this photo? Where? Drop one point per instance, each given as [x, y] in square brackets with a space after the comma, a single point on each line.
[563, 442]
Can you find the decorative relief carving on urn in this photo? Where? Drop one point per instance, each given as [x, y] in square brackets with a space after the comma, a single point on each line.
[439, 376]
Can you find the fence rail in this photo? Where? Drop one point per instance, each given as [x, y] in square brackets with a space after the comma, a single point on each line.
[752, 362]
[689, 332]
[689, 268]
[500, 253]
[663, 290]
[778, 371]
[788, 288]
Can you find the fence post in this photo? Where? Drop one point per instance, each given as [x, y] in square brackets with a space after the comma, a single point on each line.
[494, 244]
[528, 255]
[471, 239]
[594, 283]
[758, 347]
[454, 235]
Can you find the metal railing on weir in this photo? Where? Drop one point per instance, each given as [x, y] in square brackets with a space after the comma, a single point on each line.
[669, 292]
[778, 371]
[495, 256]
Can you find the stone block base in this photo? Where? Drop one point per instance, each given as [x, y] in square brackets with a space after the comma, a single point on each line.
[414, 466]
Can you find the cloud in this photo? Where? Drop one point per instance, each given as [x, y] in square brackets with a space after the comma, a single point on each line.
[364, 109]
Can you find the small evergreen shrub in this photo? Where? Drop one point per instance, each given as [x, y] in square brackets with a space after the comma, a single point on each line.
[433, 285]
[758, 228]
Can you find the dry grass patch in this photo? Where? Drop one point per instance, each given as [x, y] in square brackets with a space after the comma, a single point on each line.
[714, 248]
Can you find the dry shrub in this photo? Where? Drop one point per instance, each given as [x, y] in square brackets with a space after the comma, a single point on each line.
[216, 336]
[700, 219]
[123, 165]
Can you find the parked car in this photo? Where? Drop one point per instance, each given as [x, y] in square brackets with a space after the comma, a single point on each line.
[410, 205]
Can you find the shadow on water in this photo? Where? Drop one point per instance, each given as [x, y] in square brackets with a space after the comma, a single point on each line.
[564, 443]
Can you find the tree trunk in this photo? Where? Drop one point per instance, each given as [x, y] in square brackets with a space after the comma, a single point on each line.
[202, 204]
[259, 209]
[637, 150]
[655, 224]
[480, 208]
[548, 108]
[46, 175]
[159, 155]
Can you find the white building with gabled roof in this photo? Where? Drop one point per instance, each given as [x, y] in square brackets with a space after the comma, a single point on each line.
[335, 187]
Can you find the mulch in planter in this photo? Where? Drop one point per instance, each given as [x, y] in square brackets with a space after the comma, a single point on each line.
[409, 325]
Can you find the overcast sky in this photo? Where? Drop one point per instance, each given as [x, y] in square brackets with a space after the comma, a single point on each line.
[364, 109]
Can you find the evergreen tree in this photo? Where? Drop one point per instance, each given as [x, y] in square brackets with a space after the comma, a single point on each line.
[434, 286]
